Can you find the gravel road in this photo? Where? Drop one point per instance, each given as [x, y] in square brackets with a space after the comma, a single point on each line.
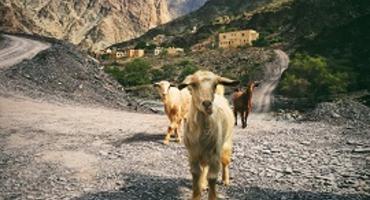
[61, 151]
[17, 49]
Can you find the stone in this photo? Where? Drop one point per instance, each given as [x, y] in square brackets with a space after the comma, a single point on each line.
[362, 150]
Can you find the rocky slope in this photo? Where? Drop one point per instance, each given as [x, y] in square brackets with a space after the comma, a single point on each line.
[94, 23]
[179, 8]
[61, 73]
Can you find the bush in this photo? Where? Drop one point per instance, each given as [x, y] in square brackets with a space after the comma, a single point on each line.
[261, 42]
[312, 77]
[169, 72]
[187, 69]
[156, 75]
[136, 73]
[144, 45]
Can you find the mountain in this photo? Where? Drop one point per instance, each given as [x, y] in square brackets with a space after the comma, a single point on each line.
[179, 8]
[92, 24]
[332, 33]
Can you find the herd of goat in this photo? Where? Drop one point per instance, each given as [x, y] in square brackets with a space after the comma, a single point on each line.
[199, 103]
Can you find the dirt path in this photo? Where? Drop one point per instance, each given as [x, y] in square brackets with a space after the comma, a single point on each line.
[18, 49]
[273, 71]
[50, 151]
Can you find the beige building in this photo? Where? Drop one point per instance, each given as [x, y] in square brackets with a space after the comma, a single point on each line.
[135, 53]
[237, 38]
[172, 51]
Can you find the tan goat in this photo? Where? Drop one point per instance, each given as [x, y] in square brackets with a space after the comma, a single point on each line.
[208, 131]
[176, 105]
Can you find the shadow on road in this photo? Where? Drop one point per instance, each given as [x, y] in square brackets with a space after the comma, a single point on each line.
[140, 137]
[138, 186]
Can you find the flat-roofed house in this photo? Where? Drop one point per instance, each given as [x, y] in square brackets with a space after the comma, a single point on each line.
[172, 51]
[237, 38]
[135, 53]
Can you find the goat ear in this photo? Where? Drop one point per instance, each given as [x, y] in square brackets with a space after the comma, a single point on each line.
[172, 85]
[186, 82]
[227, 82]
[155, 84]
[182, 86]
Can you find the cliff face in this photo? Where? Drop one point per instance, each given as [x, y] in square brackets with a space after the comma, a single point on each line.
[93, 24]
[179, 8]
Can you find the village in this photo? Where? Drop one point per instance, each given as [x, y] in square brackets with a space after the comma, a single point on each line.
[225, 40]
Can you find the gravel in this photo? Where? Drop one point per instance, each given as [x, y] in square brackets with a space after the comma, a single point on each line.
[100, 153]
[341, 112]
[63, 74]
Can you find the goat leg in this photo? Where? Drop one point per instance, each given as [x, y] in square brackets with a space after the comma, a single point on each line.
[203, 178]
[236, 117]
[244, 122]
[214, 168]
[196, 172]
[225, 161]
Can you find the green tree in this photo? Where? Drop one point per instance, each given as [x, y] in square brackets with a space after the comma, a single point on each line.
[312, 77]
[136, 73]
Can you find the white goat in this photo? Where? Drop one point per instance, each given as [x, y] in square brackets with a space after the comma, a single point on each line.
[208, 131]
[176, 105]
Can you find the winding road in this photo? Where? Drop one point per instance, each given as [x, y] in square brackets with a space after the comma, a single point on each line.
[17, 49]
[273, 71]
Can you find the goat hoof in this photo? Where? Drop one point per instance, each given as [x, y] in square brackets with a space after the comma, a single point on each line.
[166, 142]
[178, 140]
[226, 183]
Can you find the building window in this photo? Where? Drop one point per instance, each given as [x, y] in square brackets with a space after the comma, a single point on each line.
[224, 36]
[243, 34]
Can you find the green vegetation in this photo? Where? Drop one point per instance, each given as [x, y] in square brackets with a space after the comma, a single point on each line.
[145, 45]
[133, 74]
[261, 42]
[139, 72]
[313, 77]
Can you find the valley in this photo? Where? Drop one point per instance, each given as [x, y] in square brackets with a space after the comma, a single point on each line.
[55, 148]
[80, 118]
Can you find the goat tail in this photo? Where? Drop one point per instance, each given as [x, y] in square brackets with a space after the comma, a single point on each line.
[220, 90]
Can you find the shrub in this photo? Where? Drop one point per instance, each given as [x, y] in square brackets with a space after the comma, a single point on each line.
[145, 45]
[312, 77]
[169, 72]
[187, 69]
[157, 75]
[261, 42]
[136, 73]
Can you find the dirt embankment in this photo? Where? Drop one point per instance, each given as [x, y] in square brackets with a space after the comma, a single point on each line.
[60, 73]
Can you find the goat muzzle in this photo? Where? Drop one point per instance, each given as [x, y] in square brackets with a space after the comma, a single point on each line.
[207, 107]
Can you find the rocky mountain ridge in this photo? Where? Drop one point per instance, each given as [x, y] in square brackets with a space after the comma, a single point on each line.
[93, 24]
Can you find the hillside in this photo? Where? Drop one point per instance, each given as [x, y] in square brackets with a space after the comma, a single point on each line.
[93, 24]
[58, 73]
[335, 32]
[178, 8]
